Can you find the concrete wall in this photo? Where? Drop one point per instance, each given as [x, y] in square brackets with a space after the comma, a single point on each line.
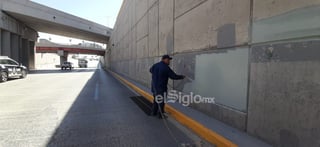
[46, 60]
[284, 76]
[259, 59]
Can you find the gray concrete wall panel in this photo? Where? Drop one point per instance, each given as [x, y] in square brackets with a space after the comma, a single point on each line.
[211, 23]
[153, 30]
[166, 12]
[297, 23]
[284, 93]
[182, 6]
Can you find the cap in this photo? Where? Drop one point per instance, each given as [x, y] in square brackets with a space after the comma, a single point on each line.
[166, 57]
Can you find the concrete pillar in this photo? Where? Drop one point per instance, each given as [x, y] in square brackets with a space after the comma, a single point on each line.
[63, 57]
[25, 52]
[6, 43]
[31, 55]
[0, 43]
[15, 43]
[20, 50]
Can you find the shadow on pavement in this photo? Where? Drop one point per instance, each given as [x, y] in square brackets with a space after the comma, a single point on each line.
[103, 115]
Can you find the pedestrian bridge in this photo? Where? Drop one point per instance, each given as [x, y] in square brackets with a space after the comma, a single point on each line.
[45, 19]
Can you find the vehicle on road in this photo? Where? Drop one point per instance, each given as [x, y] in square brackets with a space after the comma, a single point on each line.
[10, 69]
[66, 65]
[83, 63]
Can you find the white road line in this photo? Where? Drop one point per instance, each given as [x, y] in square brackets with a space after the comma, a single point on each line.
[99, 66]
[96, 92]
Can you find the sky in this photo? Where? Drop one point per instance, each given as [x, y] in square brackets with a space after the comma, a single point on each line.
[104, 12]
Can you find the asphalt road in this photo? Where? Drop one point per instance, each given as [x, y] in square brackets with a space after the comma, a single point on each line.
[83, 107]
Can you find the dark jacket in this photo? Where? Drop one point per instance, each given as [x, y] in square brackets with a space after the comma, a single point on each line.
[161, 72]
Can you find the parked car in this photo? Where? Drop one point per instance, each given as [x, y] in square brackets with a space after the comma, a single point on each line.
[66, 65]
[10, 69]
[82, 63]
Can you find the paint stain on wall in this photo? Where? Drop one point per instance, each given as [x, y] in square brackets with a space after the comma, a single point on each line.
[226, 36]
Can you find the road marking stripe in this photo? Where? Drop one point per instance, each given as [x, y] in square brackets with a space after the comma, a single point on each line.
[96, 92]
[195, 126]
